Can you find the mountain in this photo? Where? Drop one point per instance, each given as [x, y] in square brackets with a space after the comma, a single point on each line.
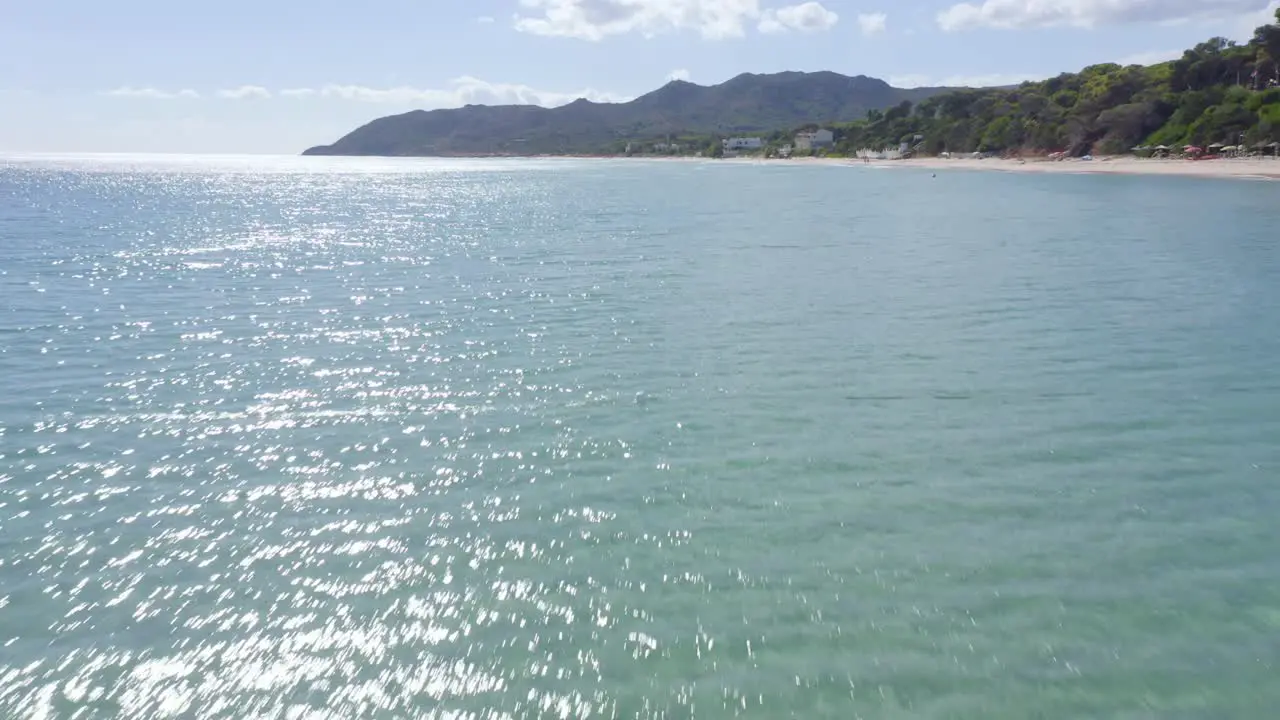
[747, 103]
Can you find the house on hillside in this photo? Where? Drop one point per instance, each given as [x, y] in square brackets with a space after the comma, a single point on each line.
[816, 140]
[742, 143]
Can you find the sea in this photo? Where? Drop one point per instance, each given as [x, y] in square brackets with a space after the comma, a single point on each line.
[315, 438]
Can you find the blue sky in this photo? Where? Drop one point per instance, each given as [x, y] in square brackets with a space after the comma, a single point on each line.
[280, 75]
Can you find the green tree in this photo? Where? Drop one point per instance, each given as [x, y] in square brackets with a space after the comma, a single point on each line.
[1267, 40]
[1005, 133]
[899, 112]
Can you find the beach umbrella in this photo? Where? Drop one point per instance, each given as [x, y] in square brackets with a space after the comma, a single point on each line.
[1217, 145]
[1162, 147]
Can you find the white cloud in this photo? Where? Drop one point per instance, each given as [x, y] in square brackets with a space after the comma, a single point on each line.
[598, 19]
[680, 74]
[1244, 25]
[971, 81]
[873, 23]
[806, 17]
[462, 91]
[1152, 57]
[714, 19]
[910, 81]
[245, 92]
[151, 93]
[1014, 14]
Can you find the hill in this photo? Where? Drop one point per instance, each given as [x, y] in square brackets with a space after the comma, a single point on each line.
[747, 103]
[1218, 92]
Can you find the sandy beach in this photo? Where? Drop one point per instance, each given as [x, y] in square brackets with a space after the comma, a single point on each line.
[1251, 168]
[1239, 168]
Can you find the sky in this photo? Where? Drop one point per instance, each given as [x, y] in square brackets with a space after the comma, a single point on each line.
[277, 76]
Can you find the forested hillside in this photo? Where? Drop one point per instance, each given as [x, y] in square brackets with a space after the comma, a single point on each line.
[1217, 92]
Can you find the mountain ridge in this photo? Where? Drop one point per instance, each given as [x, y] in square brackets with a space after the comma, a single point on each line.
[745, 103]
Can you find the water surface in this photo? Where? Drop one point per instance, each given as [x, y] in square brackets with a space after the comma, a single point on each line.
[327, 438]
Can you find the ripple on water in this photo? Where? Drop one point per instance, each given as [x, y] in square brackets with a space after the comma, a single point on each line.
[534, 439]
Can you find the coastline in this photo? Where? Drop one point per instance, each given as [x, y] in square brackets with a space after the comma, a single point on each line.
[1225, 168]
[1229, 168]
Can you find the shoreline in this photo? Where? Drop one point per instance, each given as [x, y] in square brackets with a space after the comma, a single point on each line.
[1251, 168]
[1226, 168]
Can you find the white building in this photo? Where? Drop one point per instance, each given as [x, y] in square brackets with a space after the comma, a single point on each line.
[815, 140]
[742, 143]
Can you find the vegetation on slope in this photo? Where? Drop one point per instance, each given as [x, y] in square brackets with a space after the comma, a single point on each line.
[1217, 92]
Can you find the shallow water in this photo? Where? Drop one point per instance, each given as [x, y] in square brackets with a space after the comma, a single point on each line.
[348, 438]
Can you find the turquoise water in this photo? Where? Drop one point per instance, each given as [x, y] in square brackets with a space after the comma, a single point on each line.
[552, 439]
